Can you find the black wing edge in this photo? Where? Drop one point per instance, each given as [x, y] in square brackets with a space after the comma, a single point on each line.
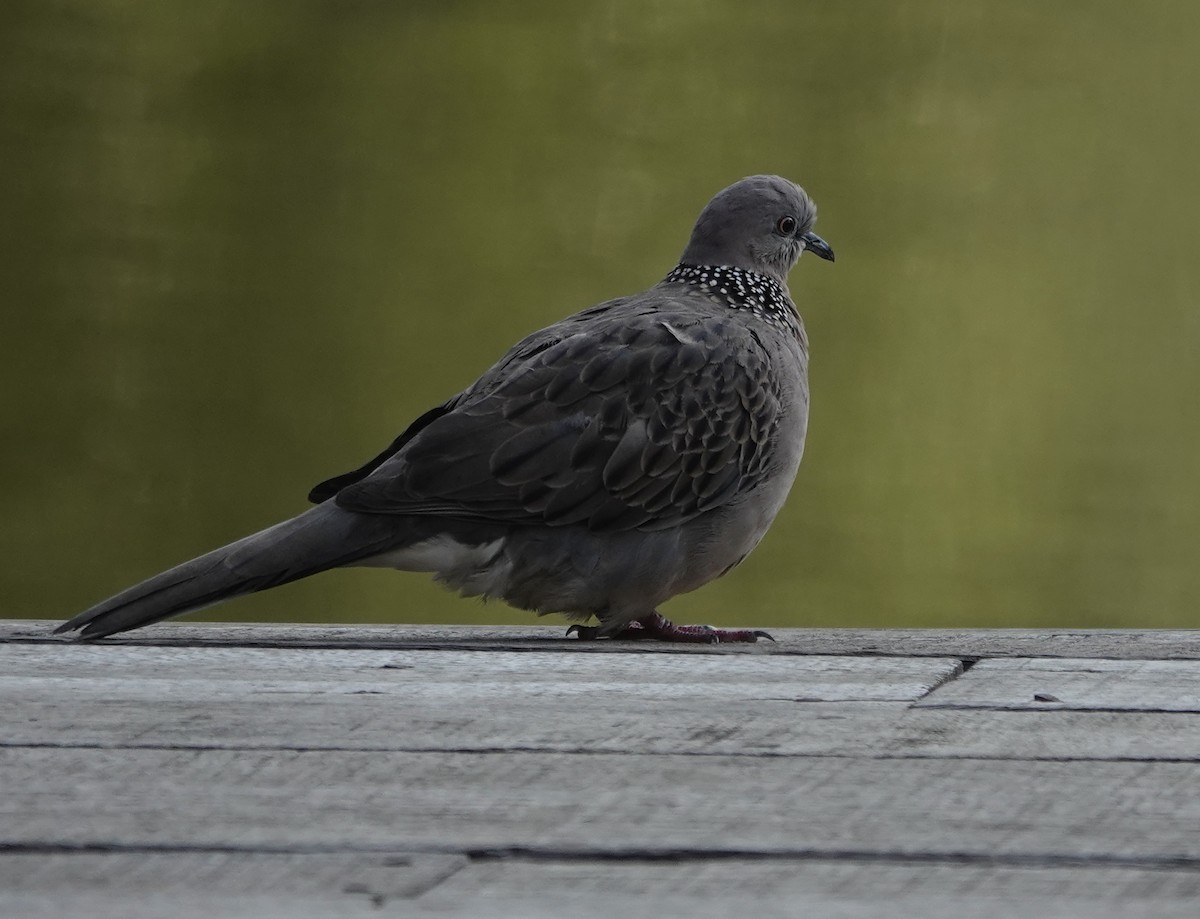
[330, 487]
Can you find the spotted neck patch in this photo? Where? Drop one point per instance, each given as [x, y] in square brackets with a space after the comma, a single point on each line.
[741, 290]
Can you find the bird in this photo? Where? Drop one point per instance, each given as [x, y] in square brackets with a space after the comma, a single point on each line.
[629, 453]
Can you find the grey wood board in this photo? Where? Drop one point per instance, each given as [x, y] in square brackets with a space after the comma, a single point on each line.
[1170, 686]
[693, 726]
[225, 673]
[439, 700]
[377, 722]
[132, 885]
[1162, 644]
[1122, 813]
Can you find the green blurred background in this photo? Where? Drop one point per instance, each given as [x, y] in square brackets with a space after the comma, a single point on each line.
[243, 243]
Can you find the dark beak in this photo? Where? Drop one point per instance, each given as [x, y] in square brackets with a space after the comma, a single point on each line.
[817, 246]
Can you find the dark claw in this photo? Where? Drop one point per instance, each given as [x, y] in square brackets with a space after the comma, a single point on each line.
[583, 632]
[761, 634]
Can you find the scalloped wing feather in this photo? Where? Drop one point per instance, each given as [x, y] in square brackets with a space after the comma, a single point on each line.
[642, 419]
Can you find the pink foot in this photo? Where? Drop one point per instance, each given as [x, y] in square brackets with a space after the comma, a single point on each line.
[658, 627]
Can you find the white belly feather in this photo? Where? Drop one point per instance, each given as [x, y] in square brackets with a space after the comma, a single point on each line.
[473, 570]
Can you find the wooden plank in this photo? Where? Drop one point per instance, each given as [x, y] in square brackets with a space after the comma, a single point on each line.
[227, 673]
[389, 723]
[446, 700]
[747, 728]
[1127, 644]
[190, 885]
[1166, 686]
[1132, 814]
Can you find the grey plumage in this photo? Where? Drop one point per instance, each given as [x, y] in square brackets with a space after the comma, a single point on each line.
[608, 462]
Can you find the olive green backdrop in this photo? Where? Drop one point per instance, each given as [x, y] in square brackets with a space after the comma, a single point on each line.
[243, 243]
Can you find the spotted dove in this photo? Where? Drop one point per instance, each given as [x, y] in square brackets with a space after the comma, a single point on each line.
[629, 453]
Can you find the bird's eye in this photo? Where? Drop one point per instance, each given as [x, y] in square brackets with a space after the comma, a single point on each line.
[786, 225]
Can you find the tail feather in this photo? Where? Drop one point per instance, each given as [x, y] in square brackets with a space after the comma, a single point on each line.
[321, 538]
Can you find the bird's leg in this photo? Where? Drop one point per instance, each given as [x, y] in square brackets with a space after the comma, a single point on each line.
[658, 627]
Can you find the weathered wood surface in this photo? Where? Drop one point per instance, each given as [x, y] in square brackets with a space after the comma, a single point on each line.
[203, 770]
[1122, 644]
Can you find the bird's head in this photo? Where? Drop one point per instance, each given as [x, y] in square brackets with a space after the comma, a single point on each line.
[761, 224]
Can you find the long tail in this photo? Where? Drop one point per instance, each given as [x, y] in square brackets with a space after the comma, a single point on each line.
[321, 538]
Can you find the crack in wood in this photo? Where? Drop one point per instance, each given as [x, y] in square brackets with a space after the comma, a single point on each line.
[568, 854]
[948, 677]
[990, 859]
[604, 751]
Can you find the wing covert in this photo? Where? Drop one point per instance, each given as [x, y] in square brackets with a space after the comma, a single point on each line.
[644, 421]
